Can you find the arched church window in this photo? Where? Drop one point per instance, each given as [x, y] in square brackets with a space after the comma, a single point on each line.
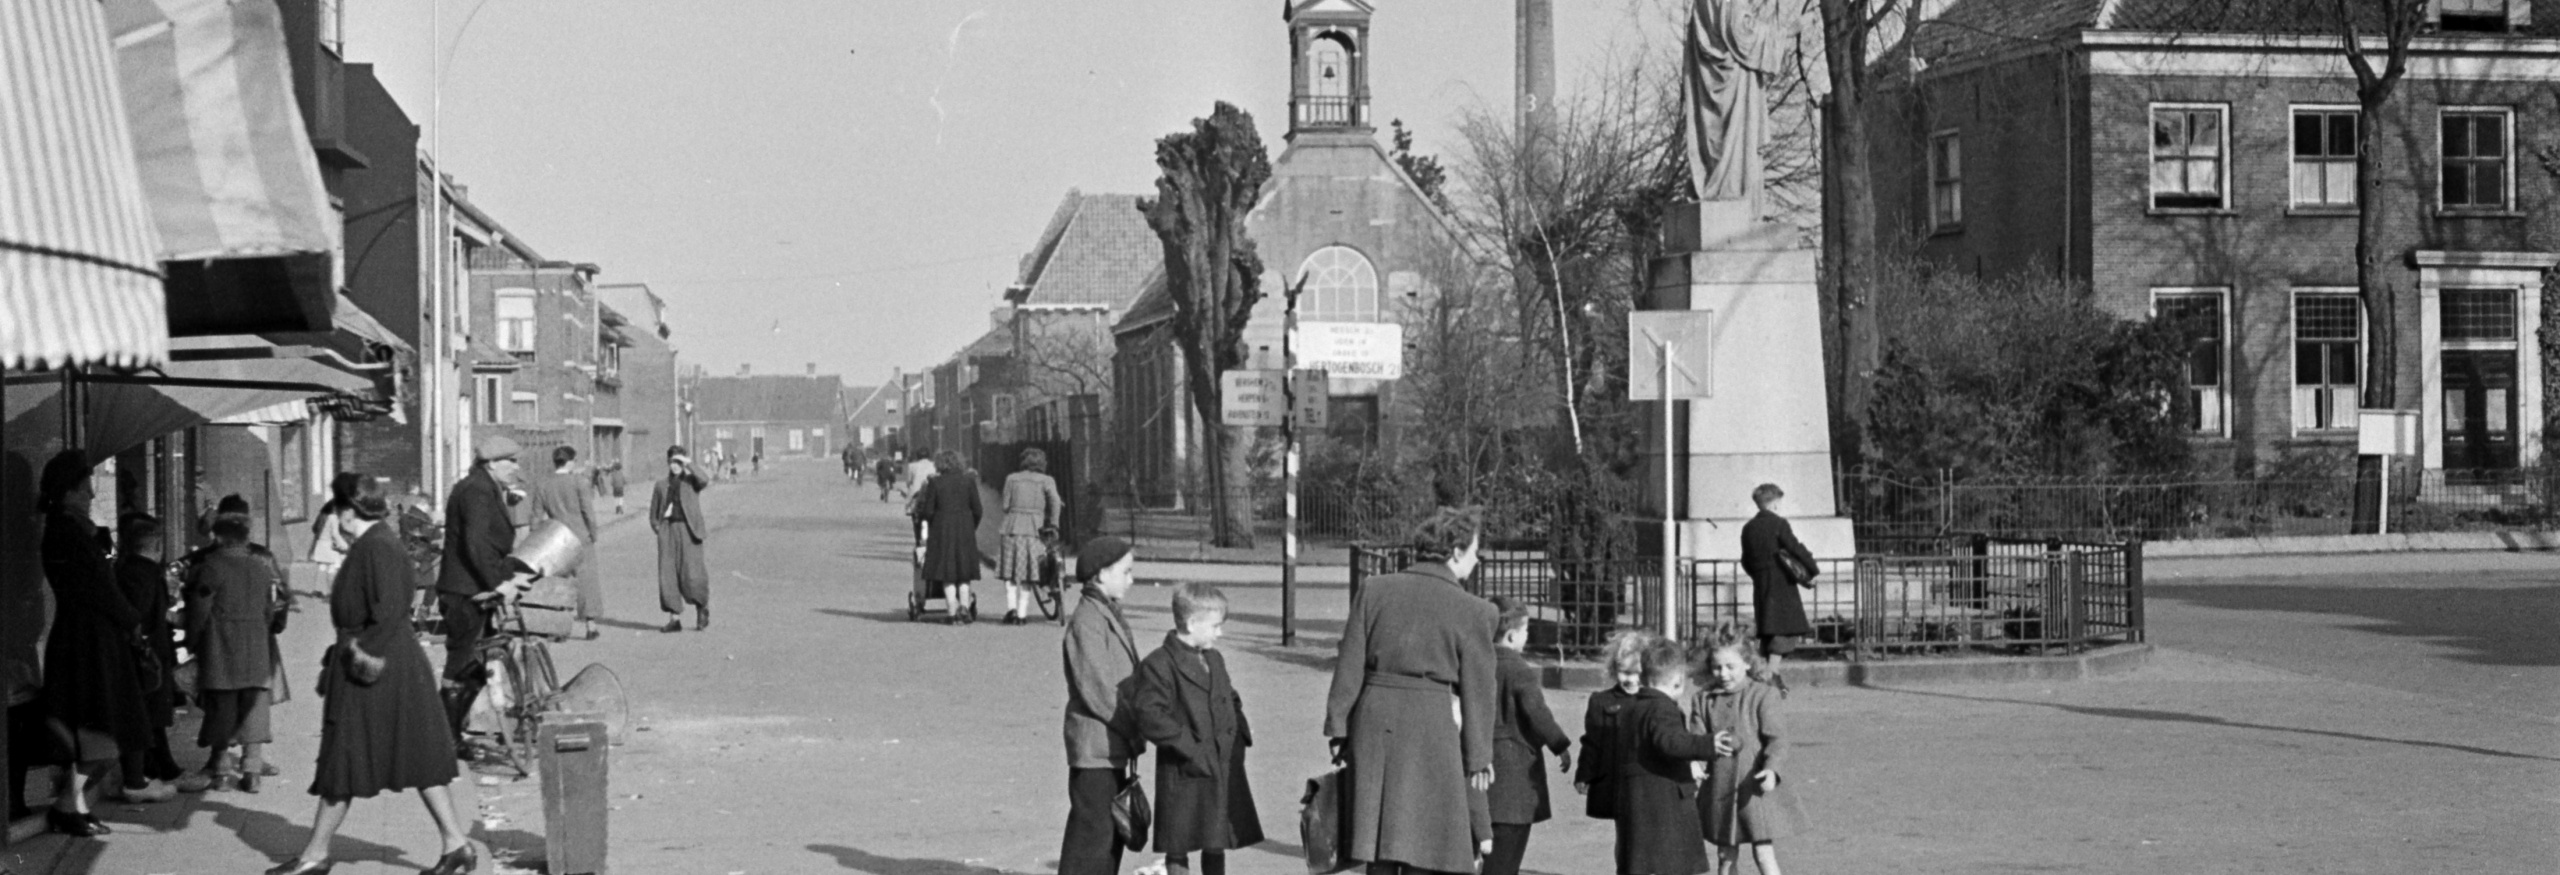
[1341, 287]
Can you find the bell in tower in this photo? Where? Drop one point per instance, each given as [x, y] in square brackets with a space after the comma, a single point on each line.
[1329, 69]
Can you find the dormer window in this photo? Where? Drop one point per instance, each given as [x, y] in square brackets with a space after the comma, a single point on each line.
[2482, 16]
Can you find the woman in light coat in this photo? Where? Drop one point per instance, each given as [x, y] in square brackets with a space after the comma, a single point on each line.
[1031, 507]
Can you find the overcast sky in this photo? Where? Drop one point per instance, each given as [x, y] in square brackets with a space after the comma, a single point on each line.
[850, 183]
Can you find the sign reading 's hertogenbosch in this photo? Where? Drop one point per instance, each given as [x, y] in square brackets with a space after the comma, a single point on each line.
[1366, 350]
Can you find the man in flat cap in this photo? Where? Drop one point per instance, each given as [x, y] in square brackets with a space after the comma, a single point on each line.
[478, 536]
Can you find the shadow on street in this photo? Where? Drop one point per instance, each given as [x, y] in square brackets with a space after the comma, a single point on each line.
[2208, 720]
[860, 860]
[2503, 626]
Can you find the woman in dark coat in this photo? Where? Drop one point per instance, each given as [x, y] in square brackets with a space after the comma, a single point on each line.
[1411, 708]
[230, 601]
[387, 732]
[1775, 606]
[948, 511]
[93, 685]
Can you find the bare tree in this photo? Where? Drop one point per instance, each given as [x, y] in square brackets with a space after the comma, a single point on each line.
[1849, 28]
[1211, 176]
[2398, 22]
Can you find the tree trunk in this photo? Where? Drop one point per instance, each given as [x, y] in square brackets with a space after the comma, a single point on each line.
[2373, 277]
[1853, 215]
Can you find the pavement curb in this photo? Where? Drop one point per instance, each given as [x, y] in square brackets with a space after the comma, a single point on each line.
[2417, 542]
[2112, 660]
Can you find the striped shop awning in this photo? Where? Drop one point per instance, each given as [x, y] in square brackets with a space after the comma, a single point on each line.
[80, 277]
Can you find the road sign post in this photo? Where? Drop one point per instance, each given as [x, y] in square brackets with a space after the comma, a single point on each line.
[1680, 343]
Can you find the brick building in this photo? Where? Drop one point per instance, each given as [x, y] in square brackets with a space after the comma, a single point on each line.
[2195, 160]
[774, 415]
[645, 367]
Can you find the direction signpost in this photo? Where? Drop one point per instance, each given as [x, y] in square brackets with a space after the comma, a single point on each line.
[1670, 358]
[1297, 397]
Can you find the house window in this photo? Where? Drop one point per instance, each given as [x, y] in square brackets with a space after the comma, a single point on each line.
[799, 440]
[2188, 142]
[526, 407]
[1341, 286]
[331, 20]
[2324, 158]
[2478, 315]
[515, 321]
[488, 399]
[2328, 360]
[2475, 16]
[1946, 181]
[2475, 151]
[2198, 314]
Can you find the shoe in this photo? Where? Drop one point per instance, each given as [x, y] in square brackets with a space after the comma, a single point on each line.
[151, 791]
[459, 861]
[672, 626]
[297, 867]
[1013, 618]
[249, 782]
[951, 619]
[701, 619]
[74, 825]
[223, 782]
[193, 782]
[269, 770]
[1779, 681]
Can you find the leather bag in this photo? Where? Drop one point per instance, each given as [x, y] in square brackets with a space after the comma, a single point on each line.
[1795, 569]
[1321, 823]
[1131, 816]
[361, 667]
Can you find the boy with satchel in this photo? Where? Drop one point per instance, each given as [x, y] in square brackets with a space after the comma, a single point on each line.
[1779, 565]
[1188, 708]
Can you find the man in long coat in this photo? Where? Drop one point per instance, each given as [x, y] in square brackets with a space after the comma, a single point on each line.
[1775, 605]
[675, 513]
[478, 536]
[566, 496]
[1413, 705]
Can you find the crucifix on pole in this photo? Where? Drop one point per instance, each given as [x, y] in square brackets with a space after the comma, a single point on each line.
[1670, 358]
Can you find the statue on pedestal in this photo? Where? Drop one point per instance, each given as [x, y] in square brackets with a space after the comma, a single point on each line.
[1735, 47]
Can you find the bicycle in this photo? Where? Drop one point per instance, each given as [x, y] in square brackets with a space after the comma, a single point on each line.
[522, 683]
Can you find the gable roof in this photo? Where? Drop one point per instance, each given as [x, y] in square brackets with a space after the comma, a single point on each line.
[870, 405]
[1968, 29]
[1154, 304]
[769, 398]
[1096, 250]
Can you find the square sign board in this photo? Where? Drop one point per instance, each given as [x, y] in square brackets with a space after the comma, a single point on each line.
[1690, 335]
[1367, 350]
[2386, 432]
[1254, 397]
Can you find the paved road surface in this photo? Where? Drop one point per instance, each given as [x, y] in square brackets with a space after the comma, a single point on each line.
[814, 729]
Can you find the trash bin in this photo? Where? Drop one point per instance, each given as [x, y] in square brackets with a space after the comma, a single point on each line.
[572, 748]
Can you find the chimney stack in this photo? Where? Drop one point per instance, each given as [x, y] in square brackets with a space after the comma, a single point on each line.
[745, 369]
[813, 369]
[1534, 96]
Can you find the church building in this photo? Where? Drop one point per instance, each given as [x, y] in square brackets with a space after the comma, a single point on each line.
[1338, 212]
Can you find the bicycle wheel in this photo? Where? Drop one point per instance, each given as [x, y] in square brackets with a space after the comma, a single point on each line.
[1046, 594]
[537, 686]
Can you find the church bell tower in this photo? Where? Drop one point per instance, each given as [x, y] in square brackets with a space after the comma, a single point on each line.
[1328, 66]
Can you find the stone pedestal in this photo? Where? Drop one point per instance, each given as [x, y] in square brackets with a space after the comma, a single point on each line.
[1769, 419]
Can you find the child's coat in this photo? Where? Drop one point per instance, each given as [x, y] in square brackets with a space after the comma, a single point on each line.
[1759, 744]
[1656, 799]
[1188, 707]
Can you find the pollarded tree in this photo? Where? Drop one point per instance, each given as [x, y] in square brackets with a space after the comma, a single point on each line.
[1212, 175]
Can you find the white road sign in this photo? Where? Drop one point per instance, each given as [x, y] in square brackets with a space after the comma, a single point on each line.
[1254, 397]
[1368, 350]
[1691, 336]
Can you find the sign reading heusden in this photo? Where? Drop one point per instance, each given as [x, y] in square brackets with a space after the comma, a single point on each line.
[1365, 350]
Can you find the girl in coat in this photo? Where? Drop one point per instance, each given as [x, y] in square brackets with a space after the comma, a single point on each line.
[1187, 706]
[1746, 799]
[1624, 655]
[1031, 506]
[1523, 730]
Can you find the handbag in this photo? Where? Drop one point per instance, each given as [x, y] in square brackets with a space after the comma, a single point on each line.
[147, 667]
[1131, 816]
[1795, 569]
[361, 667]
[1321, 824]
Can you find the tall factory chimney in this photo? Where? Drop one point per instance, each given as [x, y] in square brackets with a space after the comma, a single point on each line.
[1535, 97]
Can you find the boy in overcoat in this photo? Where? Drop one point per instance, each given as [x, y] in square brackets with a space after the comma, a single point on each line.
[1523, 730]
[1657, 797]
[1188, 708]
[1101, 728]
[1775, 605]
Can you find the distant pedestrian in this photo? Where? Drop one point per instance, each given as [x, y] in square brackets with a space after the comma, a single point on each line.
[479, 534]
[93, 680]
[1188, 708]
[1595, 774]
[1768, 542]
[886, 471]
[853, 464]
[675, 513]
[920, 472]
[621, 483]
[1101, 725]
[1416, 645]
[563, 496]
[1656, 789]
[755, 463]
[1031, 508]
[947, 512]
[1523, 730]
[1746, 800]
[379, 715]
[328, 547]
[231, 609]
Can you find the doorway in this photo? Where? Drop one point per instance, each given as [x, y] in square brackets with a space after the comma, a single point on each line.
[2479, 410]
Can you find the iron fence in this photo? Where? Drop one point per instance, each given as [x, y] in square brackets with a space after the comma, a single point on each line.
[2177, 508]
[1329, 515]
[1962, 594]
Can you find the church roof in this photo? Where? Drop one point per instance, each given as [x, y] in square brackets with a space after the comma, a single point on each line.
[1097, 249]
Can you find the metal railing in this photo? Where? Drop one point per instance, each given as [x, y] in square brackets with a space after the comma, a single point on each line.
[1974, 594]
[2179, 508]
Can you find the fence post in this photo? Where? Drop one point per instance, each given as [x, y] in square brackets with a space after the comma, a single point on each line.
[1946, 500]
[2133, 589]
[1867, 602]
[2074, 577]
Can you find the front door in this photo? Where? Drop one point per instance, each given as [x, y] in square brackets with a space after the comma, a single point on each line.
[2479, 409]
